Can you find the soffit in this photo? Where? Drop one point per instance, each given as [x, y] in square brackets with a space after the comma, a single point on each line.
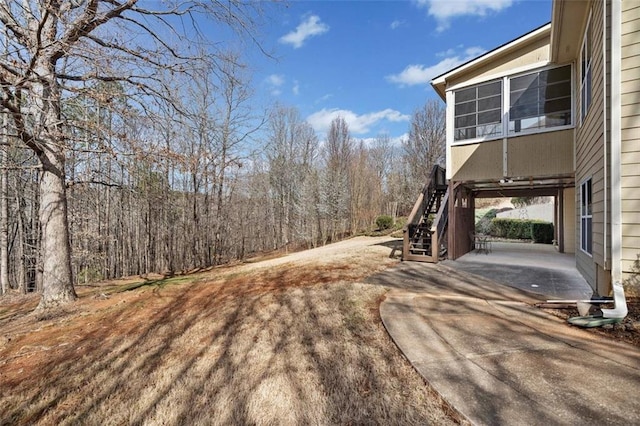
[567, 23]
[522, 43]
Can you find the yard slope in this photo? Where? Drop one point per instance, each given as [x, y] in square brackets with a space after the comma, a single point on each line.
[293, 340]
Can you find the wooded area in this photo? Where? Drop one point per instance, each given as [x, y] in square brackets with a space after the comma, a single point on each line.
[117, 162]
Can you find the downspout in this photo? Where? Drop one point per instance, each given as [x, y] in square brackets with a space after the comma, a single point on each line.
[620, 308]
[604, 127]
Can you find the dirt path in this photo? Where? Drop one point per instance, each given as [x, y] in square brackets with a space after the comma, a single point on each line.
[352, 249]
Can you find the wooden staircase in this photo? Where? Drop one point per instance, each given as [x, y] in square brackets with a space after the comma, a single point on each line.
[424, 235]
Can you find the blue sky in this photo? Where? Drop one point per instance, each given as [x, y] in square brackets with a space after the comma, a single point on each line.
[371, 61]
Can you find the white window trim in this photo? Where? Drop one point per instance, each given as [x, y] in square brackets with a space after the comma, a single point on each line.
[505, 113]
[543, 130]
[500, 75]
[586, 216]
[482, 138]
[587, 30]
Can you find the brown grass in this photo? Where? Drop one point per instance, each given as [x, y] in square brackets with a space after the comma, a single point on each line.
[289, 344]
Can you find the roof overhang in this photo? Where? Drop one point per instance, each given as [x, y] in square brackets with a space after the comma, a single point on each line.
[440, 83]
[567, 21]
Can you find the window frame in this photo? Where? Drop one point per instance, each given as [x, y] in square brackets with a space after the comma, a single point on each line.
[477, 112]
[513, 133]
[586, 216]
[586, 76]
[505, 79]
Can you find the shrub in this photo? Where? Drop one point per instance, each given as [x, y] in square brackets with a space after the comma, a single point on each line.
[491, 214]
[384, 222]
[88, 275]
[542, 232]
[518, 229]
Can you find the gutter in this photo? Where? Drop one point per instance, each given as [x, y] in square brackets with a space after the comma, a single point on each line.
[439, 82]
[557, 9]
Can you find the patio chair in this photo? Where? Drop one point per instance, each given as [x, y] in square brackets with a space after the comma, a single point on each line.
[480, 242]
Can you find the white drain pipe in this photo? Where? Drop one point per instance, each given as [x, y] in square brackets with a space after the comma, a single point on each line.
[620, 307]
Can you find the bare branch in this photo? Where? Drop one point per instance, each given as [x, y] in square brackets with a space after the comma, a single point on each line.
[20, 167]
[9, 21]
[72, 183]
[88, 21]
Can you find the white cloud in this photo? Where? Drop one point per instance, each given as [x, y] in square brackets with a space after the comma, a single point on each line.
[421, 74]
[358, 124]
[448, 52]
[398, 140]
[444, 10]
[396, 24]
[312, 26]
[296, 88]
[472, 52]
[324, 98]
[395, 141]
[275, 82]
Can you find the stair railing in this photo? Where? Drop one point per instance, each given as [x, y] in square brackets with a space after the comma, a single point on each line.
[437, 177]
[439, 227]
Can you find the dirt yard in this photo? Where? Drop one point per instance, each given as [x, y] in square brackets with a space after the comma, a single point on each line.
[293, 340]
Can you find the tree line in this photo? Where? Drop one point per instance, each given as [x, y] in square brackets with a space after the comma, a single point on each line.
[178, 194]
[108, 171]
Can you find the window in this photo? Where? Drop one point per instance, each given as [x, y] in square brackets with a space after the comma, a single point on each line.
[537, 101]
[478, 111]
[585, 72]
[586, 217]
[540, 100]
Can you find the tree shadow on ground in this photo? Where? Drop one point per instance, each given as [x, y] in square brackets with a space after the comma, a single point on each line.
[395, 246]
[282, 346]
[489, 354]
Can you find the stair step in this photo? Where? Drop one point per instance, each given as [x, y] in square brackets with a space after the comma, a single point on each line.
[420, 237]
[421, 245]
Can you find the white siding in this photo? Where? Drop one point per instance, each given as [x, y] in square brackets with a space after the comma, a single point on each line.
[630, 140]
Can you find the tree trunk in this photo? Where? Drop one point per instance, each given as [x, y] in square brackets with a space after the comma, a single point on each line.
[57, 282]
[56, 250]
[4, 217]
[21, 265]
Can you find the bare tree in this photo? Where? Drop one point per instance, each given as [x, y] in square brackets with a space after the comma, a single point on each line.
[426, 144]
[236, 125]
[53, 48]
[383, 158]
[4, 211]
[4, 195]
[365, 189]
[291, 148]
[338, 154]
[381, 155]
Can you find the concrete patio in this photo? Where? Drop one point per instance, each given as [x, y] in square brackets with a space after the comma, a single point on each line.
[496, 358]
[532, 267]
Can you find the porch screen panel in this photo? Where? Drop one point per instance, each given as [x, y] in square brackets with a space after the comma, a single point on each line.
[478, 111]
[540, 100]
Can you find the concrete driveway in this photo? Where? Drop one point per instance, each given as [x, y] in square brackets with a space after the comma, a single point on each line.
[499, 360]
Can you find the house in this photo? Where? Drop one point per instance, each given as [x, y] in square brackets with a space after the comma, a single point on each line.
[556, 113]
